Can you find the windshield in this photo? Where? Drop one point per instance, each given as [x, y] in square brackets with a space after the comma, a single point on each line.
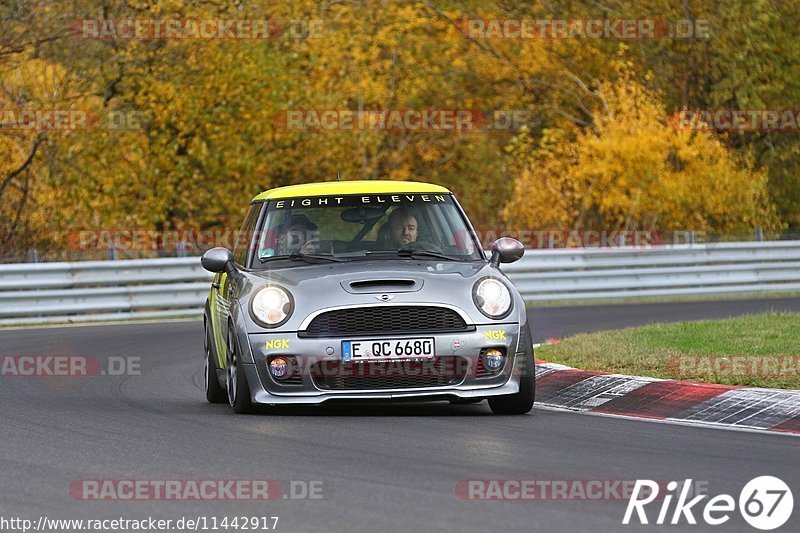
[419, 226]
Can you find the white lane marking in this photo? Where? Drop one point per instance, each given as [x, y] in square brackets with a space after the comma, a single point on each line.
[595, 390]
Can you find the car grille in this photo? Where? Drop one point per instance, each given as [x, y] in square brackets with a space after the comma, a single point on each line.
[440, 372]
[384, 320]
[291, 379]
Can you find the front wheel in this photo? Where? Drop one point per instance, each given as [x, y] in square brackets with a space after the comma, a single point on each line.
[521, 402]
[238, 389]
[214, 392]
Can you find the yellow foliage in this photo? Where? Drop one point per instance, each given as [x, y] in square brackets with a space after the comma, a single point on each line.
[634, 170]
[209, 138]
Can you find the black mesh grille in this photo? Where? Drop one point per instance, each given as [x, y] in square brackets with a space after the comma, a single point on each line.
[293, 379]
[438, 372]
[385, 320]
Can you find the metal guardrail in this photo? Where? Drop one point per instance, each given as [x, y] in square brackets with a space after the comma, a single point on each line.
[682, 270]
[155, 288]
[102, 290]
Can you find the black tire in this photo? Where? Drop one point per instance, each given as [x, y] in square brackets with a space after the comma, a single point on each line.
[522, 401]
[238, 389]
[214, 391]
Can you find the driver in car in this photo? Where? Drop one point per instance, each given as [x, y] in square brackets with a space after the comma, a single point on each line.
[297, 231]
[403, 228]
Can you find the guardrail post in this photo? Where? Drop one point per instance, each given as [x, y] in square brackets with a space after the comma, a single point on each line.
[181, 249]
[112, 252]
[33, 255]
[759, 234]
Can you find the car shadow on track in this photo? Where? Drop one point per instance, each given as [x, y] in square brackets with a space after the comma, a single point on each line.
[378, 409]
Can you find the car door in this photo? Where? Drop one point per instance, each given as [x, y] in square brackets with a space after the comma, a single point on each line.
[223, 286]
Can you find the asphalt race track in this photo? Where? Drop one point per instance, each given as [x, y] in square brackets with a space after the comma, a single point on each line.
[390, 467]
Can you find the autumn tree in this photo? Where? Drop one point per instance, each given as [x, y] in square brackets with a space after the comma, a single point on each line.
[635, 170]
[206, 134]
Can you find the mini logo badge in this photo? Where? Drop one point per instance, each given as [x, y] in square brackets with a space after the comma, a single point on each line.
[384, 297]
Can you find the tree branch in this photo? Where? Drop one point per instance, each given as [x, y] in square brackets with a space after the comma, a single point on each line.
[40, 138]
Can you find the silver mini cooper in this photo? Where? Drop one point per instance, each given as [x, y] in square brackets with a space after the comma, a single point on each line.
[364, 290]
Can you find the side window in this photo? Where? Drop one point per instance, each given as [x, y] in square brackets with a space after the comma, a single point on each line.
[245, 236]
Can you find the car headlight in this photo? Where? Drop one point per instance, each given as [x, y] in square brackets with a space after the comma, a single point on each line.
[492, 297]
[272, 306]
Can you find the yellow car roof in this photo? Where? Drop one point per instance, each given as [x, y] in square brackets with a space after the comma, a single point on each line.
[331, 188]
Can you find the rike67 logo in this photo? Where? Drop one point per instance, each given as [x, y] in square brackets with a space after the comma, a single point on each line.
[765, 503]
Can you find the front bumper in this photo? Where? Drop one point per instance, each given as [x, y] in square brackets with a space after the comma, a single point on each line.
[320, 375]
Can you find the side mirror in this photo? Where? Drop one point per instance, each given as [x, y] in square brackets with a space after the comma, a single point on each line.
[506, 250]
[217, 260]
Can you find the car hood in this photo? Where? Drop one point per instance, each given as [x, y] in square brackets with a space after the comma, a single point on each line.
[325, 285]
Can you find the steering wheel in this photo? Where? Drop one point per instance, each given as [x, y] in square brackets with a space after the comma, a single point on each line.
[426, 246]
[316, 247]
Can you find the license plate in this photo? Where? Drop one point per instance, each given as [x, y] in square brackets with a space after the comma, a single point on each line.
[371, 350]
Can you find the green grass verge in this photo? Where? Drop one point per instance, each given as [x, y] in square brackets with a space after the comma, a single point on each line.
[759, 350]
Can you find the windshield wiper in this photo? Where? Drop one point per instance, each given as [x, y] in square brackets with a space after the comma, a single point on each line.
[302, 257]
[406, 252]
[411, 252]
